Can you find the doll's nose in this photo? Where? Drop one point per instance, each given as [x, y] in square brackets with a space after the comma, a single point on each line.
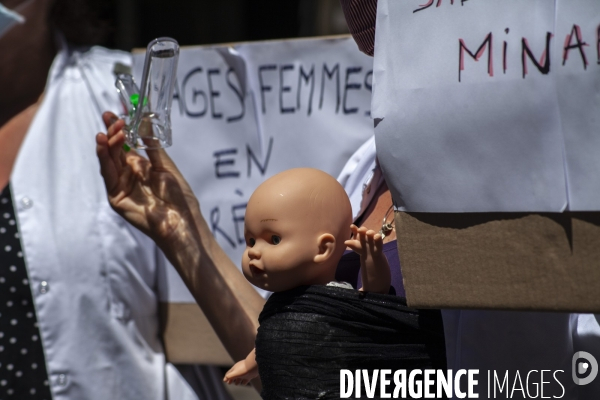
[254, 253]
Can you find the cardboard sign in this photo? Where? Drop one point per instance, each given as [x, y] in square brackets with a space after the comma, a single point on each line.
[489, 105]
[523, 261]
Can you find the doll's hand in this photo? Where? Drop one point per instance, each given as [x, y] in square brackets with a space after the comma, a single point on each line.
[360, 237]
[241, 373]
[375, 270]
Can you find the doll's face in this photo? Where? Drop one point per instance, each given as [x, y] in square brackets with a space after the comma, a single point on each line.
[295, 226]
[279, 249]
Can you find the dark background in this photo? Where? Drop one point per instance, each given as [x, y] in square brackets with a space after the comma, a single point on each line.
[133, 23]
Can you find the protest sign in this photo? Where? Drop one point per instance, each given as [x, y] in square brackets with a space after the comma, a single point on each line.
[577, 62]
[487, 105]
[486, 130]
[244, 112]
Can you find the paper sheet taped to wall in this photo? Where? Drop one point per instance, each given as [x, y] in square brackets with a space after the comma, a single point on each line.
[489, 106]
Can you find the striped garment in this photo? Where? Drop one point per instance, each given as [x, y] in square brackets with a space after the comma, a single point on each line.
[360, 17]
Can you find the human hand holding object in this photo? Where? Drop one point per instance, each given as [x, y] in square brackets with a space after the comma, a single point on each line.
[149, 193]
[153, 196]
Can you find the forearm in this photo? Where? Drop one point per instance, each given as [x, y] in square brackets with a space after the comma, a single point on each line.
[155, 198]
[229, 302]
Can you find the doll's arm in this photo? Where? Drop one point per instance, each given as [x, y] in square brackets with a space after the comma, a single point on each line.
[243, 371]
[374, 267]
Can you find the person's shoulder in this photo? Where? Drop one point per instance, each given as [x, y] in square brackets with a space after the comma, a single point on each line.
[94, 67]
[90, 60]
[102, 55]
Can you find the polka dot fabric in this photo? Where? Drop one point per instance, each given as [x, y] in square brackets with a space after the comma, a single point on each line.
[22, 366]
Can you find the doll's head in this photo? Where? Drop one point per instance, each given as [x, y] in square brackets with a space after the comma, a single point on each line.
[295, 226]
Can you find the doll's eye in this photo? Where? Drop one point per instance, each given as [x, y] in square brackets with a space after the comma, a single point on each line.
[275, 239]
[251, 242]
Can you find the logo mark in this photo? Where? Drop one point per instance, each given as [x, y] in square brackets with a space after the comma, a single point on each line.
[579, 368]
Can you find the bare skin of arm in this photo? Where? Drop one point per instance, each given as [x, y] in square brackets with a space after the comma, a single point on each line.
[30, 44]
[153, 196]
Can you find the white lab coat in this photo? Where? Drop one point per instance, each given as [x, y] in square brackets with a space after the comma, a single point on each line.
[98, 317]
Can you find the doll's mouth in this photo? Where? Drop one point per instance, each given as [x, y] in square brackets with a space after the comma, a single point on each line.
[254, 270]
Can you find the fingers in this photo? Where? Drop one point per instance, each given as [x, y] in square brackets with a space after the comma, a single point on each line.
[364, 239]
[362, 236]
[354, 230]
[351, 243]
[233, 373]
[378, 242]
[236, 380]
[158, 157]
[116, 140]
[229, 376]
[374, 241]
[368, 236]
[358, 243]
[115, 147]
[114, 168]
[114, 128]
[109, 118]
[108, 168]
[160, 160]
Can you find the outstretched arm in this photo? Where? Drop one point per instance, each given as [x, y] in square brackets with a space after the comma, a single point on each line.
[243, 371]
[374, 267]
[153, 196]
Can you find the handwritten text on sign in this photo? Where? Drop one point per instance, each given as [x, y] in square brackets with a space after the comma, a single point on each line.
[298, 88]
[511, 84]
[243, 114]
[574, 41]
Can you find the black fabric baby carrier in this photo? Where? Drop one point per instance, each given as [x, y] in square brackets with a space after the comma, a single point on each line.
[308, 334]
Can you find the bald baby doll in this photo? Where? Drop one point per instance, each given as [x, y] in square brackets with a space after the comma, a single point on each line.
[297, 227]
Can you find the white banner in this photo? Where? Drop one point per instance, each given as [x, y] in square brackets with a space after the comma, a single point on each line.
[244, 113]
[488, 105]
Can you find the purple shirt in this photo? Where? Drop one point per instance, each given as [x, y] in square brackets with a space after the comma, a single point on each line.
[348, 269]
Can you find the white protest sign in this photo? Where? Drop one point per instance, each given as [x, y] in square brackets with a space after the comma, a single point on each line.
[475, 102]
[577, 65]
[244, 113]
[316, 94]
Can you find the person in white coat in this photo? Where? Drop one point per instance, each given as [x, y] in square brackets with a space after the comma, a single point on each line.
[78, 286]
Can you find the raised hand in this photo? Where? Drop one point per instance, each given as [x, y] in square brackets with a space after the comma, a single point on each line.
[374, 267]
[153, 196]
[149, 193]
